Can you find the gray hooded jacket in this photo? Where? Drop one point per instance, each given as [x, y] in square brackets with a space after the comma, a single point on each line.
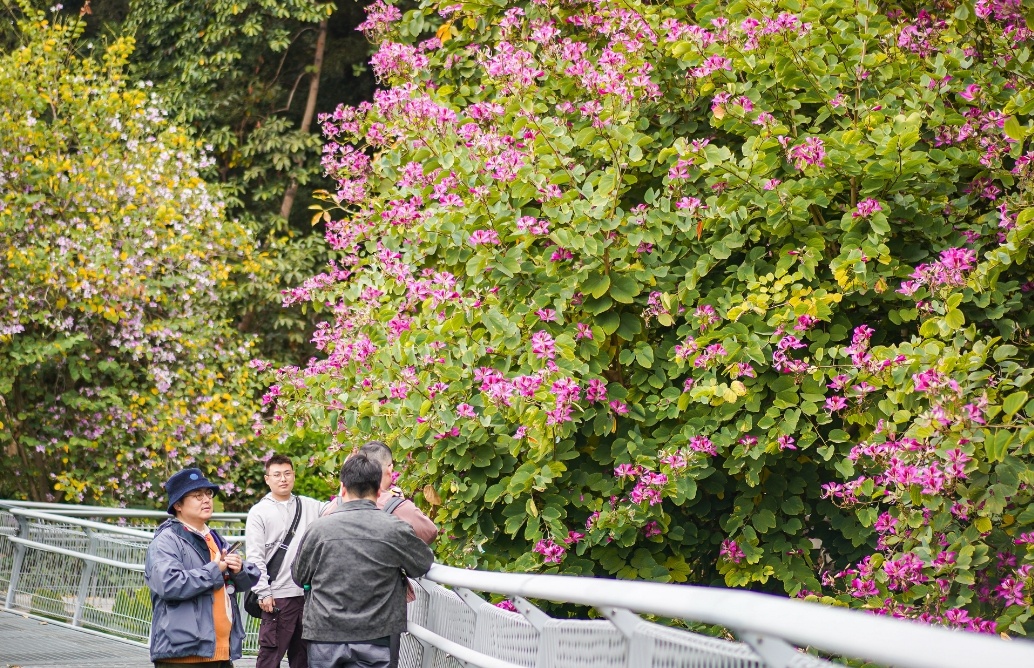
[183, 580]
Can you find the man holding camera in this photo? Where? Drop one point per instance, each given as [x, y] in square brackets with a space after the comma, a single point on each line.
[270, 522]
[194, 577]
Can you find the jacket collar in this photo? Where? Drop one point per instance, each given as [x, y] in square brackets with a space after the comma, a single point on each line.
[180, 530]
[361, 504]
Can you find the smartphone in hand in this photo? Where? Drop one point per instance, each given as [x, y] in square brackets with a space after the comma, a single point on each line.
[234, 546]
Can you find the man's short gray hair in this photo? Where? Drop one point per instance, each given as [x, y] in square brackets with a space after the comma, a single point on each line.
[378, 452]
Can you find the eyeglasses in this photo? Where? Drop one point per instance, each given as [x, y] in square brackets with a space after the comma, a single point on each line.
[281, 475]
[201, 494]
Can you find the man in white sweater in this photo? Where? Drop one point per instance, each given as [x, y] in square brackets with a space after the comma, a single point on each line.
[281, 599]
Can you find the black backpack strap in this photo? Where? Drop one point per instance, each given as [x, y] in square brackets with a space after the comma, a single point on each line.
[273, 567]
[393, 504]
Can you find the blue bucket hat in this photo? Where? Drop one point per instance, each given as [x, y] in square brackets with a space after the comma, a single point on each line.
[184, 482]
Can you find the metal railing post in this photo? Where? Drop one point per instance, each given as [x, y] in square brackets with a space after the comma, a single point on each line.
[536, 617]
[627, 623]
[775, 652]
[427, 656]
[84, 582]
[16, 567]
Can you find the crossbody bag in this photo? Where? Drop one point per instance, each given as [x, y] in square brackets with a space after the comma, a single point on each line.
[251, 600]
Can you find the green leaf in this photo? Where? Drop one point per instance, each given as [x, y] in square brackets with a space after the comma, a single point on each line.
[955, 319]
[996, 444]
[1014, 402]
[764, 520]
[609, 321]
[623, 289]
[596, 285]
[1013, 129]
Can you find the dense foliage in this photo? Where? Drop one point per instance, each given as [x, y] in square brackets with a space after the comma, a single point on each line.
[727, 291]
[117, 361]
[247, 77]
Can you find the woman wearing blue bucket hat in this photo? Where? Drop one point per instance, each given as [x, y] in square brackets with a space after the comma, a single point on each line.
[194, 578]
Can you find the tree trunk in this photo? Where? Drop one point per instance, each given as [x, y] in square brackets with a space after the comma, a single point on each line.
[310, 111]
[29, 482]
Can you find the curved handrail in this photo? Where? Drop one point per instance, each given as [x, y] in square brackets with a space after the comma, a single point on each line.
[103, 511]
[457, 650]
[43, 547]
[75, 521]
[839, 631]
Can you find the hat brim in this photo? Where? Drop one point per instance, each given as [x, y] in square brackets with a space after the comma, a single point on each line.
[193, 487]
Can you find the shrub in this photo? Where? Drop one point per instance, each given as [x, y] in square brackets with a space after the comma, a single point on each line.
[730, 292]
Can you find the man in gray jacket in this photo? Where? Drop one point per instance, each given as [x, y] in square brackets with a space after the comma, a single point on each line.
[352, 563]
[194, 579]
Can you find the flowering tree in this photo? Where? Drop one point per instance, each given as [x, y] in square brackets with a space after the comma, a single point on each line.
[728, 292]
[116, 364]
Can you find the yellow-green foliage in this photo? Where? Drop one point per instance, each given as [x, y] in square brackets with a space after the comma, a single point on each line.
[116, 262]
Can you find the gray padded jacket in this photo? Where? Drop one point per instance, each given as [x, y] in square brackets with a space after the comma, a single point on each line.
[351, 562]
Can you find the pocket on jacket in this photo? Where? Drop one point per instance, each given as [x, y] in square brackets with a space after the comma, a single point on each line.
[268, 629]
[181, 624]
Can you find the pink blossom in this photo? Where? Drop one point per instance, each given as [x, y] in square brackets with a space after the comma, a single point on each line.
[619, 407]
[596, 391]
[702, 444]
[811, 152]
[970, 92]
[731, 551]
[866, 208]
[743, 369]
[379, 17]
[465, 410]
[542, 345]
[690, 204]
[804, 323]
[526, 386]
[483, 238]
[550, 551]
[627, 471]
[834, 404]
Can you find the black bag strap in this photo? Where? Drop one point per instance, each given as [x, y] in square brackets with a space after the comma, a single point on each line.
[394, 503]
[273, 567]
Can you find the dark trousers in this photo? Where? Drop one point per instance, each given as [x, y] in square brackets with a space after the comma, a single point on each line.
[281, 633]
[348, 655]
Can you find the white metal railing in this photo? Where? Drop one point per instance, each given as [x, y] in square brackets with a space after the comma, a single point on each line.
[88, 573]
[68, 565]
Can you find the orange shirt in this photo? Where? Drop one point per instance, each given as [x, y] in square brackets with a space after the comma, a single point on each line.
[221, 603]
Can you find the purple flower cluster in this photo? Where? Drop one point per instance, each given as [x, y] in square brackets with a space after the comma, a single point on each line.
[949, 271]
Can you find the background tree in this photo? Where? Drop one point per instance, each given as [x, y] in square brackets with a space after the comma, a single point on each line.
[118, 363]
[735, 292]
[248, 78]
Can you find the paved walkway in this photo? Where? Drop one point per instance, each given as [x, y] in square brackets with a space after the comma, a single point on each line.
[30, 643]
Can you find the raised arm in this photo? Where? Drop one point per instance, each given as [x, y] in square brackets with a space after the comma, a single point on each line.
[169, 580]
[421, 523]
